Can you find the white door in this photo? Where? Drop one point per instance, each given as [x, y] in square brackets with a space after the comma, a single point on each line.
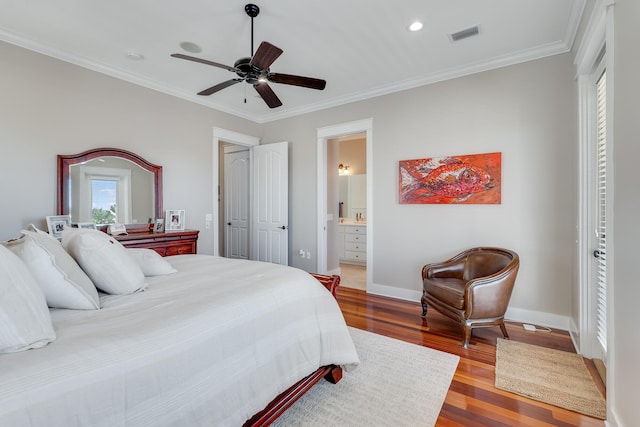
[236, 204]
[271, 203]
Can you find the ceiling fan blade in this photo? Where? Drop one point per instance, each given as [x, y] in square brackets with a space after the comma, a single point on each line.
[219, 86]
[288, 79]
[265, 55]
[203, 61]
[268, 95]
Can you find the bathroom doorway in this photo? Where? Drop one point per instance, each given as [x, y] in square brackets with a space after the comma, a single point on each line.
[345, 220]
[351, 229]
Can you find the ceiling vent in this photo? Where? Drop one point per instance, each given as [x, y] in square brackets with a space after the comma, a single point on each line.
[466, 33]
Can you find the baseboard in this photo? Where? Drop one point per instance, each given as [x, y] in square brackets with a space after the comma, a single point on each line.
[515, 314]
[393, 292]
[550, 320]
[574, 333]
[612, 418]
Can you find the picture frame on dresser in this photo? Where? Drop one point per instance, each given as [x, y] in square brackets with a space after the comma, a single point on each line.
[159, 226]
[57, 223]
[174, 220]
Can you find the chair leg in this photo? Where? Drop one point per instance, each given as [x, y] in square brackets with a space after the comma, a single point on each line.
[503, 328]
[424, 310]
[466, 335]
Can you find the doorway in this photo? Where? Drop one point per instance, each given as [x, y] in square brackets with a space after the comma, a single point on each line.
[268, 228]
[328, 207]
[350, 231]
[221, 138]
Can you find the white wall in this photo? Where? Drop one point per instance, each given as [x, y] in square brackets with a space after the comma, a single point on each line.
[49, 107]
[625, 350]
[527, 112]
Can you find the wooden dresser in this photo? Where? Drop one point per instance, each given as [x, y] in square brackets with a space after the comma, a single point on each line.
[166, 244]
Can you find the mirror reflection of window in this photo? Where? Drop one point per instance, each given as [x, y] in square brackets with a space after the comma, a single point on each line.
[104, 197]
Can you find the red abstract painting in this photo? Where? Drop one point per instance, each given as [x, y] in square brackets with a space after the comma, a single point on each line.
[470, 179]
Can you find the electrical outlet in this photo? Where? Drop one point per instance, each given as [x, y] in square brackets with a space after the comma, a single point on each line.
[528, 327]
[301, 253]
[308, 255]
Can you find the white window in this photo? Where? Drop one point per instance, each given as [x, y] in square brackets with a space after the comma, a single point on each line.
[105, 194]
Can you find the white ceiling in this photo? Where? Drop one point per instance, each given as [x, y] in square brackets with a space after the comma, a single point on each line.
[362, 49]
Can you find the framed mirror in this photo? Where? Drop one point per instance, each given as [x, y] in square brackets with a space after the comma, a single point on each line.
[109, 185]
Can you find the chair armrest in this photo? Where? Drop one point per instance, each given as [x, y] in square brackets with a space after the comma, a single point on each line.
[488, 297]
[448, 269]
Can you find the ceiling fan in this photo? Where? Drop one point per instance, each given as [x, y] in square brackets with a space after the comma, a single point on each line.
[255, 69]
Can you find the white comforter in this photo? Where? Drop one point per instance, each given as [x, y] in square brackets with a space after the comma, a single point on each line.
[210, 345]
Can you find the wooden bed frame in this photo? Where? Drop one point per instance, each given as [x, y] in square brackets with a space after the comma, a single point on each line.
[282, 402]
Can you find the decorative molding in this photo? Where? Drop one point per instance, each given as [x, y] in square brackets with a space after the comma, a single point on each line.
[593, 40]
[490, 64]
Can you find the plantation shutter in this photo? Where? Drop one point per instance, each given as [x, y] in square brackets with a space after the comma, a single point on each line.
[601, 258]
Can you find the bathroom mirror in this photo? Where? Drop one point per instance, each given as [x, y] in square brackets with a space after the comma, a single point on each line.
[107, 185]
[352, 196]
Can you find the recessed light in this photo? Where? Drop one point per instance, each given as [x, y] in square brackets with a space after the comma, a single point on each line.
[191, 47]
[134, 56]
[416, 26]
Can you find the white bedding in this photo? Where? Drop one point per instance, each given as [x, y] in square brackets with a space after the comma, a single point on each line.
[210, 345]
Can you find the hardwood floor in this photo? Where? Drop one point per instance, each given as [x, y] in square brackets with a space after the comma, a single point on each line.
[472, 399]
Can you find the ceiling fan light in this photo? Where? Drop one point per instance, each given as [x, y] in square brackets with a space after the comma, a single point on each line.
[416, 26]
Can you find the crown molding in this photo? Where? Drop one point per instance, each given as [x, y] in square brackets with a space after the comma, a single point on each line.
[491, 64]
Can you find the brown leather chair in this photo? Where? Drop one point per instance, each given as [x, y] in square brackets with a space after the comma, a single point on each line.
[473, 288]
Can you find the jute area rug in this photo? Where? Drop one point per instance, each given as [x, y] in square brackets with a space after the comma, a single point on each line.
[552, 376]
[396, 384]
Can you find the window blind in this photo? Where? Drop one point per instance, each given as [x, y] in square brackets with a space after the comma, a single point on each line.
[601, 241]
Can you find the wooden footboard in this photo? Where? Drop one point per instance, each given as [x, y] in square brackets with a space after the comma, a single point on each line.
[331, 373]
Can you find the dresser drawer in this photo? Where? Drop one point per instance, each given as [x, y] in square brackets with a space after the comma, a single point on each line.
[355, 256]
[355, 230]
[355, 246]
[355, 238]
[184, 249]
[166, 244]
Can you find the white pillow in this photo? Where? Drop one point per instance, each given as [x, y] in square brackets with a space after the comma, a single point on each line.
[62, 280]
[151, 263]
[25, 321]
[105, 261]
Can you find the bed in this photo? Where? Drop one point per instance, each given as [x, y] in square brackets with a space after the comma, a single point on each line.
[210, 344]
